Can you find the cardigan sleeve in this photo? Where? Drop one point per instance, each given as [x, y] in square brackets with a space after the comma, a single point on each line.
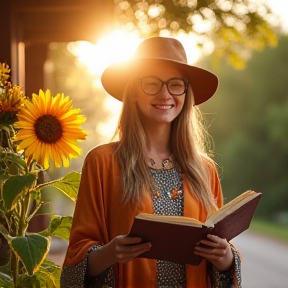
[89, 228]
[231, 278]
[75, 277]
[89, 213]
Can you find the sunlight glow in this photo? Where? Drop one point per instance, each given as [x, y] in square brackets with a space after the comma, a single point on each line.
[107, 129]
[120, 46]
[280, 9]
[115, 47]
[155, 10]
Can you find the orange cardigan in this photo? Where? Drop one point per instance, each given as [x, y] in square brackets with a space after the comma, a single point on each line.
[100, 216]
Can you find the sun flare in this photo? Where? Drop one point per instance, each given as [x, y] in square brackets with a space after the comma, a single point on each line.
[117, 47]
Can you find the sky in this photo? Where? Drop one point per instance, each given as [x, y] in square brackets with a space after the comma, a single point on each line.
[280, 8]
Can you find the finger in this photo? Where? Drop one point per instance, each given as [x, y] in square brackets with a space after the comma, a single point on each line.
[215, 242]
[125, 240]
[217, 239]
[136, 249]
[128, 252]
[212, 254]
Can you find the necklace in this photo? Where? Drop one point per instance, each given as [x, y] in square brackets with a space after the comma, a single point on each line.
[167, 163]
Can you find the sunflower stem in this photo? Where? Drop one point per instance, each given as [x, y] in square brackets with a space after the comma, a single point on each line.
[34, 212]
[23, 203]
[14, 267]
[40, 186]
[23, 222]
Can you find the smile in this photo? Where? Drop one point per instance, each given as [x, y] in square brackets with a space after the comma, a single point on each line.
[163, 107]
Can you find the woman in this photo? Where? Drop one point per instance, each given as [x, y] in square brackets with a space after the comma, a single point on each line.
[158, 166]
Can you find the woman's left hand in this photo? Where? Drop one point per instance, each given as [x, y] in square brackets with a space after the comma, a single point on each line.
[219, 252]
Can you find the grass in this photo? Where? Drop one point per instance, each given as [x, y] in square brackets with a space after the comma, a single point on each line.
[274, 230]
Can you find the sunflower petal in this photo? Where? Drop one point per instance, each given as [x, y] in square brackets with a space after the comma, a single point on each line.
[50, 129]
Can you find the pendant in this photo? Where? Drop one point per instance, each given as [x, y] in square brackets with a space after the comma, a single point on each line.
[157, 194]
[173, 195]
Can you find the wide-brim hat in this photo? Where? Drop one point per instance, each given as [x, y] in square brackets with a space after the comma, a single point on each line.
[155, 51]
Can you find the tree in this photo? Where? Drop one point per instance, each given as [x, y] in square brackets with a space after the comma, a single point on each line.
[250, 128]
[234, 27]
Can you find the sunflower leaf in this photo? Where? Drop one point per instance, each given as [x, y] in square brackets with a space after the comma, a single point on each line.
[59, 226]
[46, 279]
[28, 281]
[31, 250]
[14, 158]
[3, 178]
[69, 185]
[49, 274]
[6, 281]
[14, 187]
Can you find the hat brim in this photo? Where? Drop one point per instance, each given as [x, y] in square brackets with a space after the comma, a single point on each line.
[115, 77]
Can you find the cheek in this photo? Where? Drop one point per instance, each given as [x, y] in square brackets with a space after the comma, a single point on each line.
[141, 104]
[180, 103]
[141, 99]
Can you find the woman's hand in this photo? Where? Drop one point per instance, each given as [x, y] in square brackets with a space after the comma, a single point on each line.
[219, 252]
[121, 249]
[126, 248]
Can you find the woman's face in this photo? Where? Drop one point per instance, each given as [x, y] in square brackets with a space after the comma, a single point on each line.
[161, 107]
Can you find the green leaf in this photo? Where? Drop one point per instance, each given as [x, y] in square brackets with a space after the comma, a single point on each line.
[47, 276]
[35, 195]
[46, 279]
[4, 231]
[59, 227]
[3, 178]
[6, 281]
[13, 159]
[26, 281]
[17, 159]
[69, 185]
[54, 270]
[31, 250]
[14, 187]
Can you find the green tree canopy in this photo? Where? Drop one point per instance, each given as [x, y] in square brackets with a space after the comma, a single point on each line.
[234, 27]
[250, 119]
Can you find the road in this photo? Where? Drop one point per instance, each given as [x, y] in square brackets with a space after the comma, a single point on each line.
[264, 261]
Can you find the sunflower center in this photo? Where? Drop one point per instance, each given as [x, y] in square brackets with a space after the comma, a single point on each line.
[48, 129]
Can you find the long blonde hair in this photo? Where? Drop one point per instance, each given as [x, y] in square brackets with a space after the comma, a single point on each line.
[188, 138]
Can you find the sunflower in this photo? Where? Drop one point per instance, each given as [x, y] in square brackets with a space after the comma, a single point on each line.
[50, 129]
[11, 99]
[4, 72]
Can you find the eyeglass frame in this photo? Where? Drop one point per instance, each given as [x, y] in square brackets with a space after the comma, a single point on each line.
[186, 84]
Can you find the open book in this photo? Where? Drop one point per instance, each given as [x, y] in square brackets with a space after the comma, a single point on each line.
[173, 238]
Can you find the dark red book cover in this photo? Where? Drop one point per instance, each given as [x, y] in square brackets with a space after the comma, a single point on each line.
[175, 242]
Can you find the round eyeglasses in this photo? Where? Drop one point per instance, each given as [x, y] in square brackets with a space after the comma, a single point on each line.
[153, 85]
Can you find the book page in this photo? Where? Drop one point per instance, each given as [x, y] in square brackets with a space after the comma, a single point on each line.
[230, 207]
[181, 220]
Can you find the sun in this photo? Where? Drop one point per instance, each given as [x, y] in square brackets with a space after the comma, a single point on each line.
[118, 47]
[115, 47]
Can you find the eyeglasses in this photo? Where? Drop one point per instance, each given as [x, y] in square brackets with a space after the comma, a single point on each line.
[153, 85]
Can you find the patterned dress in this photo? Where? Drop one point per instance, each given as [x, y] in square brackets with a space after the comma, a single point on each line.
[168, 199]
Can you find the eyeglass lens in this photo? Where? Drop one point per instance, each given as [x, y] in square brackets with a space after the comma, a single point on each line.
[153, 85]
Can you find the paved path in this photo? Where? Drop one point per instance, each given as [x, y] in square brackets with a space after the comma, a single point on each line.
[264, 261]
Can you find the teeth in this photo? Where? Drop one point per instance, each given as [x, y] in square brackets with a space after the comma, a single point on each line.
[164, 107]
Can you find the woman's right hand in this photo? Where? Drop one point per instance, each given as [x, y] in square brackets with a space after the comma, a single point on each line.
[119, 250]
[126, 248]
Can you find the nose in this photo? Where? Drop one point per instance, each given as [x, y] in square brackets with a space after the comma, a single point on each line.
[164, 93]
